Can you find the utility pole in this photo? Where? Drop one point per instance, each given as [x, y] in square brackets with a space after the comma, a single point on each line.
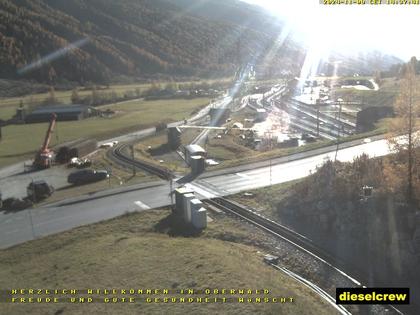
[338, 132]
[270, 172]
[317, 119]
[269, 133]
[132, 157]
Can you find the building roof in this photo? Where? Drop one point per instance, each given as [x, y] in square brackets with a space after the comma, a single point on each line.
[194, 148]
[60, 109]
[184, 190]
[196, 201]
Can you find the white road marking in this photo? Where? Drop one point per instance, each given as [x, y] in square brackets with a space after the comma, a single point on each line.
[243, 175]
[142, 205]
[200, 191]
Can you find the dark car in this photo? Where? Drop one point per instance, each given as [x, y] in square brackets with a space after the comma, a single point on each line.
[87, 176]
[16, 204]
[39, 190]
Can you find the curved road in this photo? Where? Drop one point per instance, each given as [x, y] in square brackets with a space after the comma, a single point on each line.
[18, 227]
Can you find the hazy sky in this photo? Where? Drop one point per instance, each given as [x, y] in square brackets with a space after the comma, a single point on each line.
[391, 29]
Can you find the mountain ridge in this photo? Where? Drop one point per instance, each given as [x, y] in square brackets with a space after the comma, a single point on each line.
[141, 39]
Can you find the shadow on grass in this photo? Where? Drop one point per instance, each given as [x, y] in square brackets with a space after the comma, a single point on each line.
[174, 226]
[160, 150]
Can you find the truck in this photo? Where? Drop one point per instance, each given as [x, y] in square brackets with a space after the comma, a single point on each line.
[44, 157]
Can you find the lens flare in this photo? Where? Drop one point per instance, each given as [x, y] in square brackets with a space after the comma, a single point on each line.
[52, 56]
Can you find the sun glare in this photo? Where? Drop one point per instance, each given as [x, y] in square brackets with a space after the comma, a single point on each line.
[390, 29]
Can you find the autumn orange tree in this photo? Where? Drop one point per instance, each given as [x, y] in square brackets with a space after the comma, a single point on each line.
[405, 136]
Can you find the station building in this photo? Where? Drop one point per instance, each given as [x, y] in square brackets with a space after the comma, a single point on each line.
[64, 113]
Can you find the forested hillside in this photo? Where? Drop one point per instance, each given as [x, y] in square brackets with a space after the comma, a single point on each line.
[142, 39]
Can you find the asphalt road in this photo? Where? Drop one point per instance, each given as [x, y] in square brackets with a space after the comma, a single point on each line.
[16, 227]
[14, 184]
[247, 179]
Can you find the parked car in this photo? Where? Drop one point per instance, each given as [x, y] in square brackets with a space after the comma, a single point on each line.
[87, 176]
[39, 190]
[79, 163]
[108, 144]
[16, 204]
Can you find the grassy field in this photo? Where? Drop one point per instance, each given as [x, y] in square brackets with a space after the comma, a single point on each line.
[230, 153]
[224, 149]
[20, 141]
[279, 152]
[160, 151]
[8, 105]
[170, 158]
[227, 148]
[136, 251]
[265, 199]
[385, 96]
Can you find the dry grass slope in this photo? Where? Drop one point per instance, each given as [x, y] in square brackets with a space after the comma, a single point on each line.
[135, 251]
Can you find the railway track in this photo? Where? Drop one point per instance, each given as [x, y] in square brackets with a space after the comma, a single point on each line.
[306, 120]
[295, 239]
[331, 119]
[118, 155]
[276, 229]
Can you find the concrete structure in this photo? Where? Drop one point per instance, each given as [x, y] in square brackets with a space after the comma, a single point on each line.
[179, 199]
[197, 214]
[67, 112]
[198, 164]
[193, 150]
[187, 207]
[195, 204]
[174, 137]
[190, 209]
[199, 218]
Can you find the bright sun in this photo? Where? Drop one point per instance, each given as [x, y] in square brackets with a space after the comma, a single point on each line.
[388, 28]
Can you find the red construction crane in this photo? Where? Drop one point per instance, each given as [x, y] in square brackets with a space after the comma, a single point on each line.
[44, 157]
